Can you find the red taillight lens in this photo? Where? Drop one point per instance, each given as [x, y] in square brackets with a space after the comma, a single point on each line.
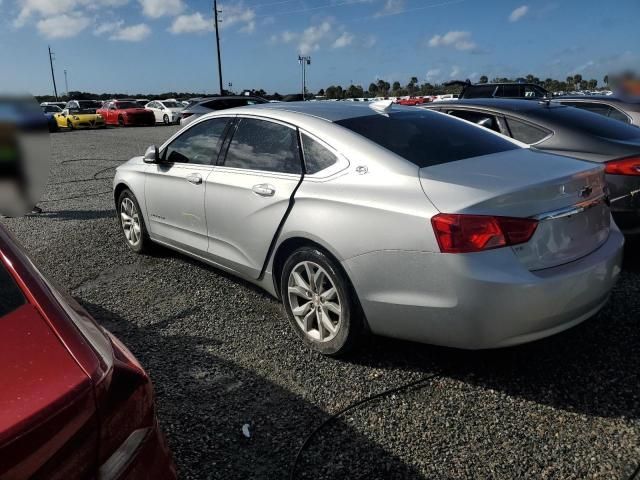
[624, 166]
[473, 233]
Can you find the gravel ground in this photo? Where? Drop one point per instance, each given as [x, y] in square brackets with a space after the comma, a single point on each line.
[221, 354]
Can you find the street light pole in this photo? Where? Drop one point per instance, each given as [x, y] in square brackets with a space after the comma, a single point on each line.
[53, 77]
[66, 83]
[215, 16]
[304, 61]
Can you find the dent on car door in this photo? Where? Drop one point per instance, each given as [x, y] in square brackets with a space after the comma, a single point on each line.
[174, 187]
[248, 196]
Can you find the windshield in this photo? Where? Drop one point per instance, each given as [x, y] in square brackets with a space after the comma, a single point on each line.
[51, 109]
[427, 138]
[123, 105]
[10, 294]
[172, 105]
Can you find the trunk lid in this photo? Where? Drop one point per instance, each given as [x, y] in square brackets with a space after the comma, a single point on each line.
[566, 195]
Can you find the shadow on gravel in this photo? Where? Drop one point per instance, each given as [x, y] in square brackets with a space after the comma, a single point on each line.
[593, 369]
[76, 214]
[203, 402]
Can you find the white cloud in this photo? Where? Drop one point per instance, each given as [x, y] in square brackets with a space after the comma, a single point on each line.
[343, 40]
[370, 41]
[456, 39]
[288, 37]
[433, 74]
[238, 14]
[312, 36]
[132, 33]
[193, 23]
[161, 8]
[45, 9]
[455, 71]
[391, 7]
[108, 27]
[63, 26]
[518, 13]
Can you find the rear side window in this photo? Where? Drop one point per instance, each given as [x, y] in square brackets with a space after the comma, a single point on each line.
[10, 294]
[599, 108]
[525, 132]
[618, 115]
[479, 91]
[509, 91]
[316, 156]
[427, 138]
[483, 119]
[199, 145]
[588, 123]
[262, 145]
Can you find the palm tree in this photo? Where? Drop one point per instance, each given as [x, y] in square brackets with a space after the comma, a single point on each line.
[606, 80]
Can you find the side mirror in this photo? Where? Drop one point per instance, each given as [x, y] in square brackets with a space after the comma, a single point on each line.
[152, 155]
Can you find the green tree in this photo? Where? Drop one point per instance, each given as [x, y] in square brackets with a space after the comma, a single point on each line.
[606, 80]
[373, 89]
[484, 79]
[321, 92]
[396, 86]
[577, 78]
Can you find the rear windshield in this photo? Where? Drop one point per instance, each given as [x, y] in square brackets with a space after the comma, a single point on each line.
[10, 294]
[224, 103]
[123, 105]
[588, 122]
[427, 138]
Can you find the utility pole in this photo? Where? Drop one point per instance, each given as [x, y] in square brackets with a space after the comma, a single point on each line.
[53, 77]
[215, 16]
[304, 61]
[66, 84]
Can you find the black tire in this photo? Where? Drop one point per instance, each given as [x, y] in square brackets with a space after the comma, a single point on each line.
[144, 243]
[351, 324]
[70, 125]
[165, 119]
[121, 121]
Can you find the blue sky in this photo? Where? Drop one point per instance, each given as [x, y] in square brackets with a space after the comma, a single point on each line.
[151, 46]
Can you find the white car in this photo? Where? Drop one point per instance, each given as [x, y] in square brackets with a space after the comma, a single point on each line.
[166, 111]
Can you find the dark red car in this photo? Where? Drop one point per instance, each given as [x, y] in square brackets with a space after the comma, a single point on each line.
[125, 113]
[74, 402]
[413, 101]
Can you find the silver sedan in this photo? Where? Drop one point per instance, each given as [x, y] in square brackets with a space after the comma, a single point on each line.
[384, 219]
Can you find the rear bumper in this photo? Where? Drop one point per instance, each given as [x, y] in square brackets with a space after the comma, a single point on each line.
[480, 300]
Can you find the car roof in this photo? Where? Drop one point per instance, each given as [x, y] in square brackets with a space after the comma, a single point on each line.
[330, 111]
[600, 98]
[510, 104]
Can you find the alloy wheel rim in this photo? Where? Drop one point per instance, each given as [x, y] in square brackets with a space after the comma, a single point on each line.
[315, 302]
[130, 221]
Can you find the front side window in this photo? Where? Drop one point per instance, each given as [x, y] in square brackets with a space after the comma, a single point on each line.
[199, 145]
[10, 294]
[525, 132]
[263, 145]
[316, 156]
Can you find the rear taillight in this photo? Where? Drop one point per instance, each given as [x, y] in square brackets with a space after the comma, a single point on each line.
[473, 233]
[624, 166]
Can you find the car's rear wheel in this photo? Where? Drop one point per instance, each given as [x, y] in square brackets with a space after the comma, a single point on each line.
[165, 119]
[132, 223]
[121, 121]
[320, 302]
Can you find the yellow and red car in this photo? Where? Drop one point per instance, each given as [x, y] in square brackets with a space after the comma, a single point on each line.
[79, 114]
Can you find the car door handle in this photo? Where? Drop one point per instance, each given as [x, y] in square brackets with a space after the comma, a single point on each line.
[194, 178]
[264, 190]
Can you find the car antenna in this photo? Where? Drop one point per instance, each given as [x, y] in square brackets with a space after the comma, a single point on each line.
[381, 106]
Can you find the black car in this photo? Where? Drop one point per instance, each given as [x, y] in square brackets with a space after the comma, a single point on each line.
[499, 90]
[627, 111]
[573, 132]
[208, 105]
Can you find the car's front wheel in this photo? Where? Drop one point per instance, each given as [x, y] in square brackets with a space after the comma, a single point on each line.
[70, 125]
[320, 302]
[121, 122]
[132, 223]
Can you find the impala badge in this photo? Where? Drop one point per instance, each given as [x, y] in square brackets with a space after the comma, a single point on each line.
[586, 191]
